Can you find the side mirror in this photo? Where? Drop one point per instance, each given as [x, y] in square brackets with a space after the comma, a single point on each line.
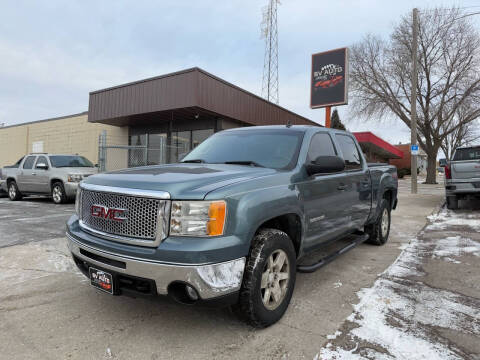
[96, 165]
[442, 162]
[326, 165]
[42, 166]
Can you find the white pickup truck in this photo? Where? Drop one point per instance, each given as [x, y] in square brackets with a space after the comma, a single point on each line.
[462, 175]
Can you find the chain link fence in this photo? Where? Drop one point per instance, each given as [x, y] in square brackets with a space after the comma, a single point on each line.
[115, 157]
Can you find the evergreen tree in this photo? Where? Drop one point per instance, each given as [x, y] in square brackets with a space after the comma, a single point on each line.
[336, 122]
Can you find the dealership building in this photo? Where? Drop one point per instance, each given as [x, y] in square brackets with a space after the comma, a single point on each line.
[151, 121]
[156, 121]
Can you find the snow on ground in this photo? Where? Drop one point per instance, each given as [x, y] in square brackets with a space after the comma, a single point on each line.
[398, 316]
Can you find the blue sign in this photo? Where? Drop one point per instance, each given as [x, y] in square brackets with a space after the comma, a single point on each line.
[414, 149]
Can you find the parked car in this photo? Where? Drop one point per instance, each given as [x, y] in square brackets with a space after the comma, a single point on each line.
[232, 222]
[462, 175]
[46, 174]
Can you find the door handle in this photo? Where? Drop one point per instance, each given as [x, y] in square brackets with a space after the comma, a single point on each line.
[342, 187]
[34, 174]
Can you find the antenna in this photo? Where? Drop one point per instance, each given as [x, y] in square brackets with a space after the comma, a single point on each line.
[269, 32]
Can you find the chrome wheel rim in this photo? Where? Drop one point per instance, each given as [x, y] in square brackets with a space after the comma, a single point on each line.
[384, 222]
[57, 194]
[275, 279]
[12, 192]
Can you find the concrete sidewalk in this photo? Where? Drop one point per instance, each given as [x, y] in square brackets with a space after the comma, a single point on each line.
[426, 305]
[49, 311]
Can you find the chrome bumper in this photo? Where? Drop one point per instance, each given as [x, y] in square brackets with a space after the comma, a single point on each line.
[210, 281]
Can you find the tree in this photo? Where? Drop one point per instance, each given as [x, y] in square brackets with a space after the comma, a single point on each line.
[336, 122]
[448, 77]
[464, 134]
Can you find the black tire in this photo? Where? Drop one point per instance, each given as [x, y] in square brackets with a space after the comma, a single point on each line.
[251, 307]
[452, 202]
[58, 193]
[377, 231]
[13, 193]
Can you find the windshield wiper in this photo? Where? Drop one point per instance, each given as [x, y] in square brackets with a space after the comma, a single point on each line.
[246, 162]
[194, 161]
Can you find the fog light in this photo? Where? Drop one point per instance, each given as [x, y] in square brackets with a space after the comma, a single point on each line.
[191, 292]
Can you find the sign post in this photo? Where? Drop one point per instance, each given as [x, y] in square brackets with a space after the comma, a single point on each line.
[329, 80]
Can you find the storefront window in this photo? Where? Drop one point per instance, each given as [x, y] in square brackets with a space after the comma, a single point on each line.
[157, 146]
[137, 154]
[199, 136]
[180, 145]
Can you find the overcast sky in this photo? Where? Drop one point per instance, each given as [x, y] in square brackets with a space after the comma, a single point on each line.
[52, 53]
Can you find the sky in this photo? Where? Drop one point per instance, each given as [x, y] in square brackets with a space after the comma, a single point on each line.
[53, 53]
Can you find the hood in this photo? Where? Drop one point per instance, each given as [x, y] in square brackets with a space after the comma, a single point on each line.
[78, 170]
[182, 181]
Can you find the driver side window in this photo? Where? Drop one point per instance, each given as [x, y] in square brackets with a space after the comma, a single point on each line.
[320, 145]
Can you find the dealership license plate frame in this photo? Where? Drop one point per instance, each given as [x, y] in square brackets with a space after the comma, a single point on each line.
[96, 282]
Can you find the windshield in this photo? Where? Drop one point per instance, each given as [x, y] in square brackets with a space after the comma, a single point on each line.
[276, 149]
[69, 161]
[467, 154]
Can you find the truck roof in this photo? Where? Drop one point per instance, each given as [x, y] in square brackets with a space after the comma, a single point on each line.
[285, 127]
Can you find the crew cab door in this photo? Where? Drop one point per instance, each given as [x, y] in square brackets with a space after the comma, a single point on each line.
[356, 183]
[41, 181]
[466, 164]
[321, 197]
[25, 177]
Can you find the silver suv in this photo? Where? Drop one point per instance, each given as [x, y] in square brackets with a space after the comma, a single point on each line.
[46, 174]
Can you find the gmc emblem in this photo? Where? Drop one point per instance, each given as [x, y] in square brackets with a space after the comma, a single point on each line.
[108, 213]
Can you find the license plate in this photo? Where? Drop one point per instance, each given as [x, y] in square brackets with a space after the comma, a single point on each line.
[101, 280]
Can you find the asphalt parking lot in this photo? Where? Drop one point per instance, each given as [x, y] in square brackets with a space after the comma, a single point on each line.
[48, 309]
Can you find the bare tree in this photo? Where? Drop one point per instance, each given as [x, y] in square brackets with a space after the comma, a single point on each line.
[448, 77]
[465, 133]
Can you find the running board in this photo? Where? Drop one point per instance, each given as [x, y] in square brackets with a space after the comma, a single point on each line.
[324, 261]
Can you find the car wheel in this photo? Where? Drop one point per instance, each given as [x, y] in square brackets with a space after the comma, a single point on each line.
[58, 193]
[269, 279]
[13, 193]
[380, 230]
[452, 202]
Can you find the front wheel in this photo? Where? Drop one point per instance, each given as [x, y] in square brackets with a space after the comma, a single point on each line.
[380, 230]
[269, 278]
[58, 193]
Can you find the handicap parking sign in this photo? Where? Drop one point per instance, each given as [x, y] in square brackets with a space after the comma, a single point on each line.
[414, 149]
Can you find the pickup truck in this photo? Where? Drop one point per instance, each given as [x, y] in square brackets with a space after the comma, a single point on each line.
[46, 174]
[233, 222]
[462, 175]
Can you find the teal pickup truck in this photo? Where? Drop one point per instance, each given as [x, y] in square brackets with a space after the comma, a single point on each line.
[233, 222]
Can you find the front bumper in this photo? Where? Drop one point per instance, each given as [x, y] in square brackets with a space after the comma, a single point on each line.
[210, 281]
[3, 185]
[70, 189]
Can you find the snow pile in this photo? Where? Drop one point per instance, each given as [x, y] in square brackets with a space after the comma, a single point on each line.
[446, 218]
[398, 316]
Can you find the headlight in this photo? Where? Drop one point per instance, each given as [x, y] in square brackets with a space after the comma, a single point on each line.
[75, 178]
[77, 201]
[197, 218]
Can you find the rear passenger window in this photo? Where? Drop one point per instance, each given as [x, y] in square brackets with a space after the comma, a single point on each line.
[321, 145]
[28, 164]
[350, 152]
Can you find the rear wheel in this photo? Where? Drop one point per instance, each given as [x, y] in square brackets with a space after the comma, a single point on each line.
[58, 193]
[380, 230]
[452, 202]
[13, 193]
[269, 279]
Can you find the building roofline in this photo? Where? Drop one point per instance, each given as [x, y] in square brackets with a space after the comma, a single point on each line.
[197, 69]
[45, 120]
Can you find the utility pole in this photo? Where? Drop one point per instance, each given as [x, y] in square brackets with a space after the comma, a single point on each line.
[413, 100]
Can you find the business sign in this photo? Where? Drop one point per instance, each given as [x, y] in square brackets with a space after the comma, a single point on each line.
[329, 79]
[414, 149]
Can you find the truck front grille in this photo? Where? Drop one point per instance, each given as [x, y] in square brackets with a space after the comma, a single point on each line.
[125, 218]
